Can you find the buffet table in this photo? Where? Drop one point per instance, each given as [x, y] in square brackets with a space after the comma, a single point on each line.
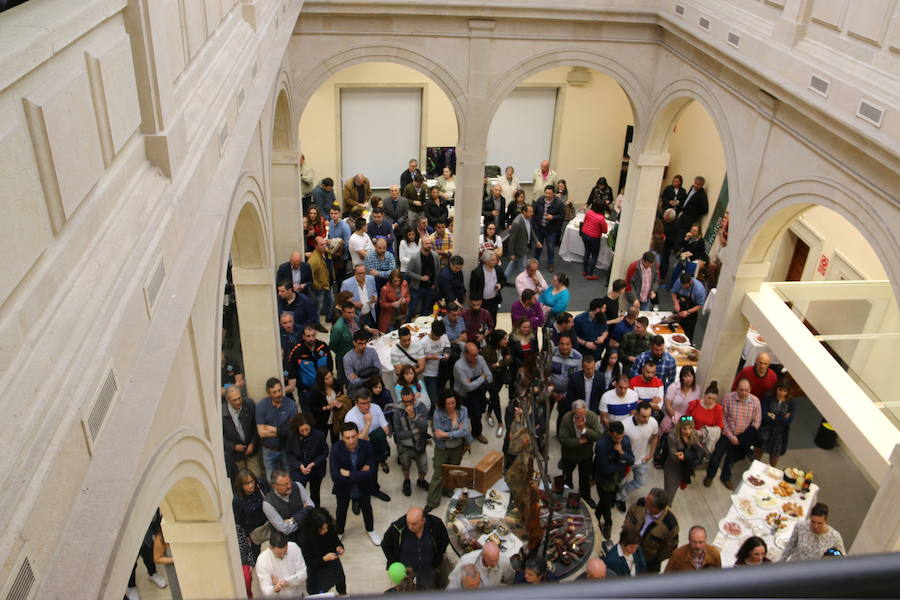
[754, 346]
[758, 508]
[471, 523]
[571, 247]
[677, 342]
[384, 343]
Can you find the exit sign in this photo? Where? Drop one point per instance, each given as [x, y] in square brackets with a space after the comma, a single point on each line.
[823, 264]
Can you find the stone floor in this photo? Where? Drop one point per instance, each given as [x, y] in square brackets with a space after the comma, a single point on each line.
[844, 488]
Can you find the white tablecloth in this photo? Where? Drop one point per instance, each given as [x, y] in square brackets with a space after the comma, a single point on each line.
[753, 347]
[571, 248]
[728, 545]
[384, 343]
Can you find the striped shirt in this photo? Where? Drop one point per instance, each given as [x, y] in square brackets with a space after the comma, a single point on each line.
[648, 390]
[740, 414]
[618, 408]
[665, 366]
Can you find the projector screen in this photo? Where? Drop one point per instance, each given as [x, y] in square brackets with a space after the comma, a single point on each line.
[380, 132]
[522, 130]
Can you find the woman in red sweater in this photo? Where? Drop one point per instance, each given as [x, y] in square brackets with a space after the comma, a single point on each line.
[707, 413]
[592, 229]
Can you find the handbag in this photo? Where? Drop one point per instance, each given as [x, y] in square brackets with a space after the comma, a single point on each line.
[662, 451]
[368, 372]
[261, 534]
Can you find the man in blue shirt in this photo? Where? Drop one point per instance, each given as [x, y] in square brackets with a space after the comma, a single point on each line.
[624, 326]
[323, 195]
[272, 412]
[338, 229]
[298, 304]
[688, 299]
[451, 287]
[381, 227]
[665, 362]
[590, 329]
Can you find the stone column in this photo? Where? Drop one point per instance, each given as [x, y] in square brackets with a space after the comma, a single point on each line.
[645, 172]
[260, 342]
[726, 329]
[287, 219]
[206, 561]
[880, 530]
[467, 207]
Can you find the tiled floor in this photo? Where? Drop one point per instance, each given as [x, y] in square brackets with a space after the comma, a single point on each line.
[843, 487]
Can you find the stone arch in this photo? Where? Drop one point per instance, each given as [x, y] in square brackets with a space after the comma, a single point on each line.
[282, 132]
[786, 201]
[637, 96]
[283, 170]
[182, 478]
[408, 57]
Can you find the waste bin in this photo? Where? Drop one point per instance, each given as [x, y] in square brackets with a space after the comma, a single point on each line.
[826, 436]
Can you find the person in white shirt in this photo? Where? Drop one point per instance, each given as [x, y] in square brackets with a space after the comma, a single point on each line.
[618, 403]
[493, 567]
[367, 416]
[360, 243]
[407, 352]
[409, 246]
[531, 278]
[644, 434]
[280, 569]
[435, 348]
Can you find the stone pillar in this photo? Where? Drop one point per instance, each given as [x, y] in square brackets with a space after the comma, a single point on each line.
[726, 329]
[260, 342]
[206, 561]
[287, 218]
[645, 172]
[880, 530]
[467, 207]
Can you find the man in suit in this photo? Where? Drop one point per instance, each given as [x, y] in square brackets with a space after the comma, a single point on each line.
[673, 195]
[396, 207]
[493, 208]
[239, 431]
[521, 242]
[549, 213]
[297, 272]
[409, 174]
[694, 208]
[365, 294]
[356, 192]
[352, 466]
[584, 385]
[486, 282]
[423, 269]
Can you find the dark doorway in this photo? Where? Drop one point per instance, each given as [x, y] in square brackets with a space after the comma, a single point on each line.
[798, 260]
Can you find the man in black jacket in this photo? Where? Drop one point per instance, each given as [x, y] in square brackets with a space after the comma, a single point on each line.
[486, 282]
[239, 431]
[694, 208]
[419, 541]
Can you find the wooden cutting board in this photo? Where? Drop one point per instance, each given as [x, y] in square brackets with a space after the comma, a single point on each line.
[660, 329]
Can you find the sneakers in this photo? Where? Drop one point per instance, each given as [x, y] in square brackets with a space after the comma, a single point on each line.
[491, 421]
[159, 580]
[707, 481]
[482, 439]
[382, 496]
[407, 488]
[132, 593]
[422, 484]
[500, 431]
[373, 535]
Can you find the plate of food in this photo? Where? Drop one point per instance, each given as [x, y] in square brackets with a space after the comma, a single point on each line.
[792, 509]
[783, 489]
[775, 473]
[777, 521]
[731, 528]
[753, 480]
[781, 540]
[766, 500]
[679, 339]
[744, 507]
[424, 321]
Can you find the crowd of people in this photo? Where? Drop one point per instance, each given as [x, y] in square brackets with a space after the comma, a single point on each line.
[622, 406]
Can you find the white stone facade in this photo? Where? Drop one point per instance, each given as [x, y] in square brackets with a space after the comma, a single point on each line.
[142, 141]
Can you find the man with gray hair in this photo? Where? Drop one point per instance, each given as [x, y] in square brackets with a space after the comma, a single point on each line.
[396, 207]
[494, 207]
[490, 564]
[578, 431]
[471, 578]
[657, 525]
[471, 377]
[486, 282]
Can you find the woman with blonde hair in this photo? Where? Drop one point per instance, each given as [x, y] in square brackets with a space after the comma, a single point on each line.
[685, 453]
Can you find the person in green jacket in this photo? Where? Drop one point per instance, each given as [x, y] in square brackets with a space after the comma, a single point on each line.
[578, 432]
[341, 339]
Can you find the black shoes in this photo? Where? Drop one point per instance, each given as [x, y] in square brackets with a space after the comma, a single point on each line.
[354, 506]
[382, 496]
[407, 488]
[422, 484]
[620, 504]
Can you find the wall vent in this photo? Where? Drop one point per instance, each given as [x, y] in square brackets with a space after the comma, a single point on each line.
[679, 10]
[819, 85]
[102, 403]
[22, 584]
[154, 286]
[869, 112]
[703, 22]
[734, 39]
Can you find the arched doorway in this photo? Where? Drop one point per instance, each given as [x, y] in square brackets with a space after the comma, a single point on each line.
[813, 285]
[250, 337]
[580, 120]
[284, 181]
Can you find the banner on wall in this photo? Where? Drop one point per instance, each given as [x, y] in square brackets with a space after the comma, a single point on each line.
[715, 221]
